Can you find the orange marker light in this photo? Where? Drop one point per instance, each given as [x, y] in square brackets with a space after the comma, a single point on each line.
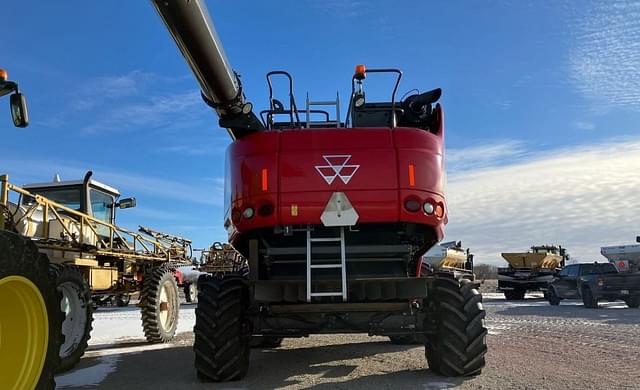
[3, 75]
[412, 175]
[361, 71]
[439, 211]
[265, 176]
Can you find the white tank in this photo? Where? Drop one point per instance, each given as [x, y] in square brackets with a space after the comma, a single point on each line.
[447, 254]
[625, 257]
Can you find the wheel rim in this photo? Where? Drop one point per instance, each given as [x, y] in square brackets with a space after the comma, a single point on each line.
[75, 321]
[167, 294]
[193, 293]
[24, 333]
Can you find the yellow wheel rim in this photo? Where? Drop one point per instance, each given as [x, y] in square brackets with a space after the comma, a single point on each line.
[24, 333]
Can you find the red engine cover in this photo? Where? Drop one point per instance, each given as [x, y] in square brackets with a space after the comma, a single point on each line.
[294, 172]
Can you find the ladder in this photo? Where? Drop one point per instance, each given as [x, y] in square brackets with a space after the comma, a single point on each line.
[311, 265]
[335, 103]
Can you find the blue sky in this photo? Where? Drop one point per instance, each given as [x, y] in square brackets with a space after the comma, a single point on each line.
[542, 104]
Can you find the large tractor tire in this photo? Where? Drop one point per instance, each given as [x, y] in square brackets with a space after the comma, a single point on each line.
[31, 318]
[160, 305]
[459, 345]
[222, 333]
[78, 308]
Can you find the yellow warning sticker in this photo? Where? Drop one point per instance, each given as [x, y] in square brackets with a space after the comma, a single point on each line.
[294, 210]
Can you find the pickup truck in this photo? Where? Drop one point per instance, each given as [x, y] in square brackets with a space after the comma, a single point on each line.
[592, 282]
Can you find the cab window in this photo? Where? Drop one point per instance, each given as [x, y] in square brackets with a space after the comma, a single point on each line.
[587, 269]
[101, 205]
[69, 197]
[573, 271]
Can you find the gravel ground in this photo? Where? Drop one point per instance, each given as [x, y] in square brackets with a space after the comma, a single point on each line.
[531, 346]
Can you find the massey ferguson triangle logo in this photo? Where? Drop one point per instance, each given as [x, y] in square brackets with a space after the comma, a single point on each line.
[337, 166]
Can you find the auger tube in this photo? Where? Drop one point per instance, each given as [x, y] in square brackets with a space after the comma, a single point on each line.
[193, 31]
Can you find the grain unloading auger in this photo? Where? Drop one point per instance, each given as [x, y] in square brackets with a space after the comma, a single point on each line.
[332, 215]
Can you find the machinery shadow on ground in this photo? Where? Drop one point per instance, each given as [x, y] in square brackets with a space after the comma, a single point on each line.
[171, 368]
[609, 312]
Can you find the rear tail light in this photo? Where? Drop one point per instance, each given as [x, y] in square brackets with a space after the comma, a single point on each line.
[265, 210]
[412, 205]
[412, 175]
[265, 180]
[248, 213]
[428, 208]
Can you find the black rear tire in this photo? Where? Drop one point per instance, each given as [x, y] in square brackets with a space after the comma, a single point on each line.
[588, 299]
[19, 257]
[552, 297]
[160, 305]
[459, 345]
[77, 305]
[222, 332]
[632, 302]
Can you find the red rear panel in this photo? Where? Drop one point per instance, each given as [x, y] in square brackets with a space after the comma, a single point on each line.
[295, 172]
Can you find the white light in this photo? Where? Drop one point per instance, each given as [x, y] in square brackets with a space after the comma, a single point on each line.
[248, 213]
[428, 208]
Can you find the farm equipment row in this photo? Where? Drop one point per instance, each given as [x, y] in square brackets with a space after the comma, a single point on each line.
[333, 216]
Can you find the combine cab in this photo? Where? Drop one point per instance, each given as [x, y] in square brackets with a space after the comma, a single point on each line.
[333, 215]
[530, 271]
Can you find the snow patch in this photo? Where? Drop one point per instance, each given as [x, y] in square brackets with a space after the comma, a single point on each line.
[90, 376]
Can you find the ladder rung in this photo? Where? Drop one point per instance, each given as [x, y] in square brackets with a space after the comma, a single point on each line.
[327, 294]
[326, 266]
[325, 239]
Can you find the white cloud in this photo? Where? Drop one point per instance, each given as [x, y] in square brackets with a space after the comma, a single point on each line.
[605, 61]
[174, 110]
[475, 157]
[582, 197]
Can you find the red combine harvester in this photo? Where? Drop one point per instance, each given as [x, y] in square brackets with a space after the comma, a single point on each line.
[333, 217]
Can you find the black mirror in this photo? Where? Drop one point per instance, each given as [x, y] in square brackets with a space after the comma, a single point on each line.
[126, 203]
[637, 238]
[19, 110]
